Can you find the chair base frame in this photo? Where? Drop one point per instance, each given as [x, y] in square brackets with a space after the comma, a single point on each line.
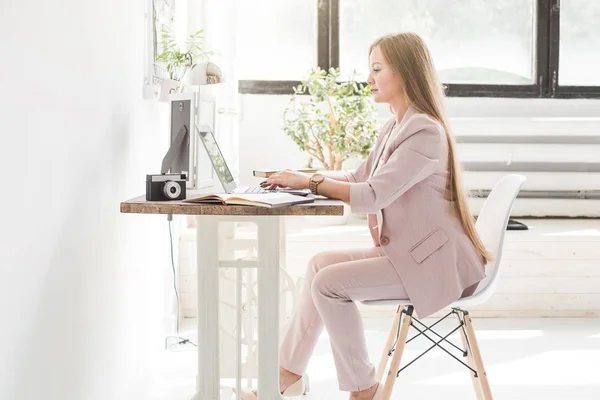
[397, 339]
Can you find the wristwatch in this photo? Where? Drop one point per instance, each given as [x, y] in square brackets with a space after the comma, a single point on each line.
[315, 179]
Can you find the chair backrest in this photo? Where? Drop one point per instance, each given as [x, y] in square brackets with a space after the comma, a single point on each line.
[491, 226]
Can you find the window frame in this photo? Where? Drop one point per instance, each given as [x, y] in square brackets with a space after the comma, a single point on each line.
[546, 63]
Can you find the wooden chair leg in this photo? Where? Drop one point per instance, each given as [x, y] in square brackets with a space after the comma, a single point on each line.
[388, 344]
[470, 363]
[479, 367]
[395, 364]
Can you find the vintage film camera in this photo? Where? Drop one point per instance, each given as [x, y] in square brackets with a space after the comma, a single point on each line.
[163, 187]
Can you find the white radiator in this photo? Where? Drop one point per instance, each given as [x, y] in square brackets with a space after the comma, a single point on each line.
[559, 156]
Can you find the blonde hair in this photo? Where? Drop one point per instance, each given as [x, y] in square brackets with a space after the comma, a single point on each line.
[408, 56]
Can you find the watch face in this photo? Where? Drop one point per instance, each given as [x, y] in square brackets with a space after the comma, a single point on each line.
[318, 178]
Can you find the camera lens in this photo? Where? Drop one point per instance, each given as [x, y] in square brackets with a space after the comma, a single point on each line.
[172, 190]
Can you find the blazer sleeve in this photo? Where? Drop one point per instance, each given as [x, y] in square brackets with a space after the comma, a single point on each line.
[414, 159]
[361, 173]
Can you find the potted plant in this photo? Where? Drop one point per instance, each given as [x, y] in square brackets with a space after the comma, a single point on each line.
[176, 60]
[335, 122]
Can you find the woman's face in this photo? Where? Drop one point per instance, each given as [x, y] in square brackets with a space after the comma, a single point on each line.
[385, 85]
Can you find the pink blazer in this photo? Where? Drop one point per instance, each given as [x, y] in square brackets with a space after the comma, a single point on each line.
[402, 185]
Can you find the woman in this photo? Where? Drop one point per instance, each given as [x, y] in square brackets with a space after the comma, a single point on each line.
[425, 249]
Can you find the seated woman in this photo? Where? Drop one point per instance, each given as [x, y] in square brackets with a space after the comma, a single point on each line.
[426, 248]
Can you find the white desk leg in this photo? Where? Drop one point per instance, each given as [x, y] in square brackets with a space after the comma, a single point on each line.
[268, 307]
[207, 265]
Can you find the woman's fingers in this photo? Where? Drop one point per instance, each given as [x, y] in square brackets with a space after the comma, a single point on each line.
[280, 179]
[270, 182]
[273, 183]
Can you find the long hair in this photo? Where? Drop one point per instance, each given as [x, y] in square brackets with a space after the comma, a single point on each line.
[408, 56]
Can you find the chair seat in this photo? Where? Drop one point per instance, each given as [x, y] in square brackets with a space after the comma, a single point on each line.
[465, 302]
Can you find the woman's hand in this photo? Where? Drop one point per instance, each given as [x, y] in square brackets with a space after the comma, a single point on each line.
[287, 179]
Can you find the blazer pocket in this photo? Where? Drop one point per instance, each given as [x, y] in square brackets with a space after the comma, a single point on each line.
[428, 245]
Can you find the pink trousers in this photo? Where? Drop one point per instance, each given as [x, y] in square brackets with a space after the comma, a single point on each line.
[334, 281]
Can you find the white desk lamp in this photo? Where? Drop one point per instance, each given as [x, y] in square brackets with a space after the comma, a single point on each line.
[205, 73]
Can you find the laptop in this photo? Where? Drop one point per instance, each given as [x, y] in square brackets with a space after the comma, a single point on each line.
[224, 173]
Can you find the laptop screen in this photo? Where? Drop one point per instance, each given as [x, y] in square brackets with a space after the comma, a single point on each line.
[218, 161]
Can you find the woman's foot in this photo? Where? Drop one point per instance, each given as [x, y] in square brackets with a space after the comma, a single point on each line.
[367, 394]
[287, 378]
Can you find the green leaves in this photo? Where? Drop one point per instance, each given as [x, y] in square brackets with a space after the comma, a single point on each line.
[335, 122]
[178, 60]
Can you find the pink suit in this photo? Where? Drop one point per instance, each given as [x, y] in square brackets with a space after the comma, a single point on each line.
[420, 251]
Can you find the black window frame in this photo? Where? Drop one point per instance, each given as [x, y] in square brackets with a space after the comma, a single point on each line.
[547, 43]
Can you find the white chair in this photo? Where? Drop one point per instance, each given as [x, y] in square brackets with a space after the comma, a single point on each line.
[491, 226]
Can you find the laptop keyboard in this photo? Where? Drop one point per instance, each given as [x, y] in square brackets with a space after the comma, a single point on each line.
[260, 190]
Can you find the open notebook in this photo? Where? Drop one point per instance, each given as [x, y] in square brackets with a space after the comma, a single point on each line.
[269, 200]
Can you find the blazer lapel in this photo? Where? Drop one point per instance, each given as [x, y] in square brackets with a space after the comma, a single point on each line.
[389, 134]
[407, 114]
[381, 149]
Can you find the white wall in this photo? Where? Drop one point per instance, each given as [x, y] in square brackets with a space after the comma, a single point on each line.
[82, 287]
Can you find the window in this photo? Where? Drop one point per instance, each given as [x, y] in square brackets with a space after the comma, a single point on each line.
[472, 41]
[501, 48]
[579, 43]
[276, 39]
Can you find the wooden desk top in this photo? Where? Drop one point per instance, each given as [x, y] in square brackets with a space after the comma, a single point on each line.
[139, 205]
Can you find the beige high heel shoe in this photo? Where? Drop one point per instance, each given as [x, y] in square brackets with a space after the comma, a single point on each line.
[298, 388]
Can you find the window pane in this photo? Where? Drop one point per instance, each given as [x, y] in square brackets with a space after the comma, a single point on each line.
[579, 60]
[472, 41]
[276, 40]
